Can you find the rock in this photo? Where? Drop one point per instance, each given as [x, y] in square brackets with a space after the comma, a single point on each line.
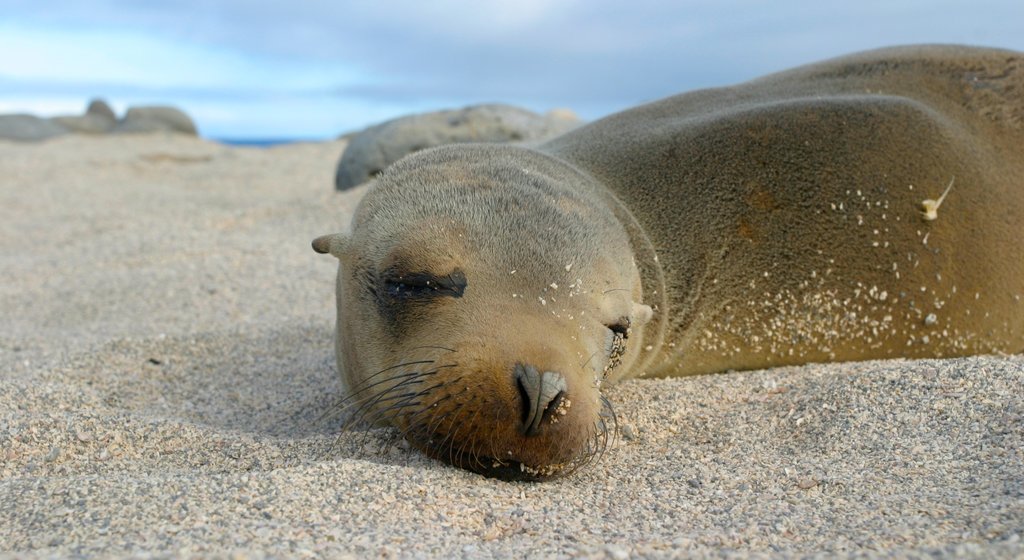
[85, 124]
[99, 108]
[98, 118]
[156, 119]
[374, 148]
[28, 127]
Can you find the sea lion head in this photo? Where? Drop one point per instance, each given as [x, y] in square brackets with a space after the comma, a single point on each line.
[484, 294]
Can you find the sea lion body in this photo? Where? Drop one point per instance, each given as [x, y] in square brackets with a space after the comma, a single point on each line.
[486, 292]
[787, 214]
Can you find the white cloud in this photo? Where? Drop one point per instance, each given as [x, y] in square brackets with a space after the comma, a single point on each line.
[252, 66]
[472, 20]
[42, 105]
[147, 60]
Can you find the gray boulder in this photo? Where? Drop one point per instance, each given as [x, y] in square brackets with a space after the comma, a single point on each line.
[100, 108]
[156, 119]
[98, 119]
[29, 127]
[374, 148]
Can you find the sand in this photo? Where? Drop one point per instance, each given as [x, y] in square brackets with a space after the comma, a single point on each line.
[165, 352]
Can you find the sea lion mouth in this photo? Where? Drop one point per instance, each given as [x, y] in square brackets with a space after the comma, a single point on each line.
[517, 471]
[601, 436]
[514, 471]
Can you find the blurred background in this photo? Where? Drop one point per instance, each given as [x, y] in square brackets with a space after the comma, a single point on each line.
[313, 69]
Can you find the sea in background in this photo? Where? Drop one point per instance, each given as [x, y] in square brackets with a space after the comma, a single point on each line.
[264, 142]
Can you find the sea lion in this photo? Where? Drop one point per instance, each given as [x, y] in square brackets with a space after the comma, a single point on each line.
[864, 207]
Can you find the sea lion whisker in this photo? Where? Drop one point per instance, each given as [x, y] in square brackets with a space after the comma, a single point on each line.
[584, 364]
[589, 453]
[367, 404]
[389, 443]
[353, 398]
[426, 430]
[392, 413]
[607, 410]
[431, 428]
[389, 397]
[435, 347]
[461, 453]
[582, 459]
[413, 377]
[341, 406]
[428, 390]
[414, 420]
[364, 384]
[448, 439]
[494, 453]
[454, 437]
[403, 401]
[601, 439]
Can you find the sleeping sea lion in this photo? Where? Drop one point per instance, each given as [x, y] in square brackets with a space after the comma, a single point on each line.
[864, 207]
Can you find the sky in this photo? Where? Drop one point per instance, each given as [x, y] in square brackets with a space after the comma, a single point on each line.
[313, 69]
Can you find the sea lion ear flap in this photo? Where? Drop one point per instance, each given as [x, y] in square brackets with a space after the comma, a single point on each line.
[335, 244]
[641, 314]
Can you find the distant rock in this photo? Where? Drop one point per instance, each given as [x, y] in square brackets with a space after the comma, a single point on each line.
[156, 119]
[100, 108]
[98, 119]
[374, 148]
[29, 128]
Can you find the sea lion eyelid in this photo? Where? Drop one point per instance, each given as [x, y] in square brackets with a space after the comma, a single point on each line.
[404, 285]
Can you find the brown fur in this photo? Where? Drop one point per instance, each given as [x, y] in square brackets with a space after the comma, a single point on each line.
[776, 222]
[782, 209]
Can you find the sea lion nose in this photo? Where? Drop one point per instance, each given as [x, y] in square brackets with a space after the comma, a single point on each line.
[541, 395]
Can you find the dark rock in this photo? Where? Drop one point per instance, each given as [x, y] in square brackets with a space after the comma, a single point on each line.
[374, 148]
[156, 119]
[28, 127]
[99, 108]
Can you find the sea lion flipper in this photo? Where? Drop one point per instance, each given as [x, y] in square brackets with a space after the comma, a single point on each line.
[333, 243]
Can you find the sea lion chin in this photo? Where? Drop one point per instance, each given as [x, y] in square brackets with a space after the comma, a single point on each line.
[862, 208]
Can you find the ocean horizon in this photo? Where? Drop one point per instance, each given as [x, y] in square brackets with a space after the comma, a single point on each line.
[266, 142]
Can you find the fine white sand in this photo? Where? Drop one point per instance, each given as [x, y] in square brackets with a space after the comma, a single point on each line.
[165, 351]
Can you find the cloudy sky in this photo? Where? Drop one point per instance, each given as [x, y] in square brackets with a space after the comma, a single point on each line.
[316, 68]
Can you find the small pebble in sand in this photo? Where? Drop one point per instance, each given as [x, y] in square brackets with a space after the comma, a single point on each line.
[52, 455]
[806, 483]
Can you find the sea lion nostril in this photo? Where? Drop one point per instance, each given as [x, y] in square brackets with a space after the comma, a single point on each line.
[524, 397]
[540, 394]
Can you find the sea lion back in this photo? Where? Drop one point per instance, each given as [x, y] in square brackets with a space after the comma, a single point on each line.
[864, 207]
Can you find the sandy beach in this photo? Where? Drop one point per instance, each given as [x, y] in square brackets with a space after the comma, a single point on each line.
[166, 358]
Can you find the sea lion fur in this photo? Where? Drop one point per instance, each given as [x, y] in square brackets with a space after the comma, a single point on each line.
[865, 207]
